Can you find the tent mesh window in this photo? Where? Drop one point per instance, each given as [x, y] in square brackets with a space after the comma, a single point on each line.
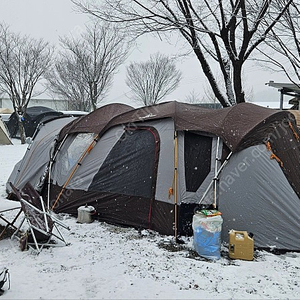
[74, 151]
[197, 158]
[130, 167]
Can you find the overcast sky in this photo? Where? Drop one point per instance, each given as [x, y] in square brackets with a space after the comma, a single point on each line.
[53, 18]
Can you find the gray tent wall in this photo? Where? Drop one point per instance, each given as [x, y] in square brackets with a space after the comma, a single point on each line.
[95, 159]
[254, 195]
[32, 166]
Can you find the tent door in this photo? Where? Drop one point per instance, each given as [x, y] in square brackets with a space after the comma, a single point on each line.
[199, 162]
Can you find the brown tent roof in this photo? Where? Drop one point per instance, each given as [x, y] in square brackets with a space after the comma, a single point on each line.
[239, 126]
[96, 120]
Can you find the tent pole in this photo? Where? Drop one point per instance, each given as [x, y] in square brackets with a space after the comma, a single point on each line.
[175, 182]
[216, 171]
[52, 159]
[217, 176]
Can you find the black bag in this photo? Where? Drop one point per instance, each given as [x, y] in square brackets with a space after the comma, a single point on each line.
[4, 275]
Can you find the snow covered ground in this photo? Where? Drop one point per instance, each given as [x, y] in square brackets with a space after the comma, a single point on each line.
[108, 262]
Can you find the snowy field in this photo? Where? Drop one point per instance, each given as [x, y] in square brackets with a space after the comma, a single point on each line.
[108, 262]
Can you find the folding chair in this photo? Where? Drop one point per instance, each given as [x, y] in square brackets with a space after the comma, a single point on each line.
[41, 223]
[9, 223]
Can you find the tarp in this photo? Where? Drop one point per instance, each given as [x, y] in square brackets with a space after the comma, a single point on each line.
[33, 116]
[95, 121]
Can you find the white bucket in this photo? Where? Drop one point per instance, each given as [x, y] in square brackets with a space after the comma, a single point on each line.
[85, 214]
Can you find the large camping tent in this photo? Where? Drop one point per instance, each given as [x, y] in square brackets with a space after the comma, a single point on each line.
[150, 167]
[33, 116]
[4, 135]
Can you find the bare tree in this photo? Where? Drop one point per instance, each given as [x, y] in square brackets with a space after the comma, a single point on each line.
[152, 80]
[194, 98]
[23, 62]
[65, 81]
[283, 46]
[210, 97]
[222, 34]
[85, 68]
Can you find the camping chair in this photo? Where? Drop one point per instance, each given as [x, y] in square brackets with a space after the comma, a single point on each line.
[9, 223]
[40, 222]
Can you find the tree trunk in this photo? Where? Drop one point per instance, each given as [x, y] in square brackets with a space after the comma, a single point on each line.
[21, 129]
[237, 82]
[207, 71]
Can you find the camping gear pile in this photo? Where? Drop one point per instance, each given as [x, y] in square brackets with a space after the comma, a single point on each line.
[151, 167]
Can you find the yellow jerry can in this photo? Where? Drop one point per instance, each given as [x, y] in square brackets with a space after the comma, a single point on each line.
[241, 245]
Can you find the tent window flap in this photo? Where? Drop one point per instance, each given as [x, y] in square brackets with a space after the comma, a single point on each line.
[72, 150]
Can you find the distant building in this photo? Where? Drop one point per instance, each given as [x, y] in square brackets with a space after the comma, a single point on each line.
[56, 104]
[288, 89]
